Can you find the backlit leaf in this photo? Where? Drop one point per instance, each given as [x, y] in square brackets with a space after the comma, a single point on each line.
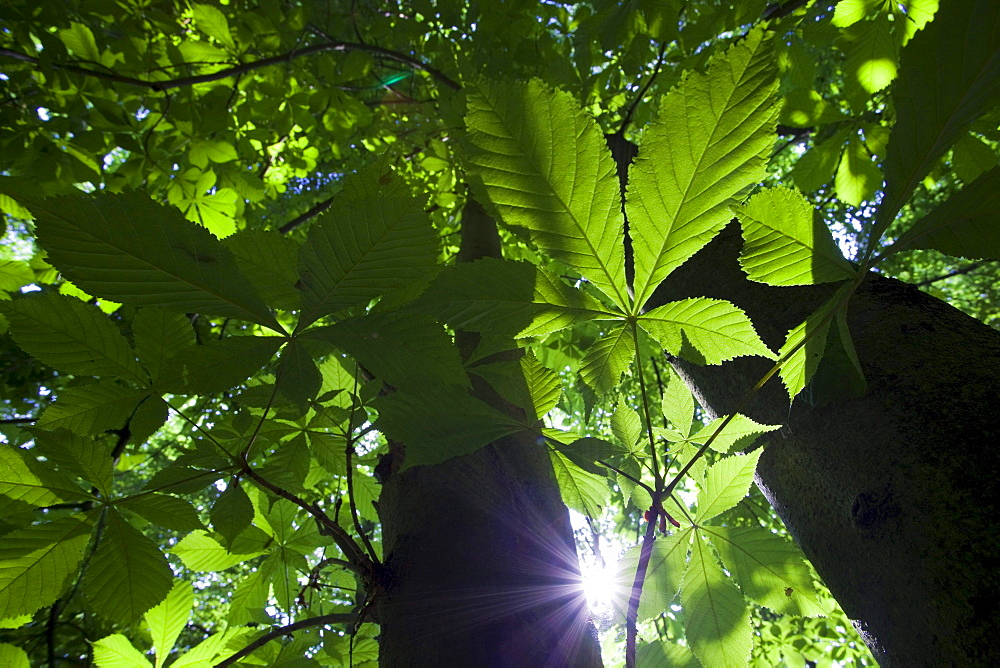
[232, 512]
[200, 552]
[91, 409]
[582, 491]
[164, 510]
[217, 365]
[663, 578]
[800, 366]
[703, 330]
[27, 483]
[739, 433]
[168, 618]
[159, 335]
[605, 361]
[707, 146]
[116, 651]
[726, 483]
[547, 169]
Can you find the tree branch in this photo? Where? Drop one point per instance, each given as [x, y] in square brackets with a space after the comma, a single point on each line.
[958, 272]
[315, 210]
[322, 620]
[243, 68]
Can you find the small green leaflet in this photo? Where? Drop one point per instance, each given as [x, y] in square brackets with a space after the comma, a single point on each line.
[586, 493]
[800, 365]
[211, 21]
[36, 563]
[217, 365]
[786, 244]
[708, 144]
[964, 226]
[14, 275]
[716, 618]
[769, 569]
[232, 512]
[658, 654]
[91, 409]
[604, 362]
[663, 575]
[127, 575]
[678, 403]
[543, 385]
[116, 651]
[168, 618]
[857, 176]
[376, 238]
[298, 377]
[12, 656]
[87, 458]
[726, 483]
[164, 510]
[199, 552]
[505, 297]
[626, 425]
[271, 261]
[132, 250]
[963, 82]
[26, 483]
[739, 433]
[703, 330]
[849, 12]
[546, 168]
[72, 336]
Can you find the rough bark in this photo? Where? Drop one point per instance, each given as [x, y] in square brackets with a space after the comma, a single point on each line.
[893, 496]
[480, 563]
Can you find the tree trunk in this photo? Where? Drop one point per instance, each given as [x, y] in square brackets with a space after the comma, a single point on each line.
[480, 561]
[893, 496]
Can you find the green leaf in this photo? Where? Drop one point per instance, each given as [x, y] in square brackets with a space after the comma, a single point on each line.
[159, 335]
[664, 653]
[871, 57]
[85, 457]
[439, 423]
[584, 452]
[298, 377]
[27, 483]
[741, 432]
[128, 574]
[91, 409]
[271, 261]
[251, 595]
[857, 176]
[211, 21]
[965, 225]
[963, 82]
[800, 366]
[13, 657]
[839, 376]
[199, 552]
[72, 337]
[708, 145]
[626, 425]
[849, 12]
[605, 361]
[663, 579]
[547, 169]
[703, 330]
[79, 39]
[375, 238]
[971, 156]
[14, 275]
[582, 491]
[164, 510]
[132, 250]
[542, 383]
[116, 651]
[404, 350]
[232, 512]
[769, 569]
[217, 365]
[678, 403]
[726, 483]
[36, 563]
[807, 109]
[505, 297]
[716, 618]
[816, 167]
[785, 243]
[168, 618]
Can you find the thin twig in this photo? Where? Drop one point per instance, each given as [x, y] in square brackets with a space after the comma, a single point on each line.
[958, 272]
[315, 210]
[322, 620]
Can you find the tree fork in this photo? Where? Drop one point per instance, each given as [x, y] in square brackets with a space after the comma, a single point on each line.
[480, 560]
[893, 496]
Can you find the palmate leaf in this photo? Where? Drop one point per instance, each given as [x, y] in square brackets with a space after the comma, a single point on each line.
[703, 330]
[965, 225]
[128, 574]
[726, 483]
[963, 83]
[708, 144]
[785, 244]
[374, 239]
[72, 336]
[769, 569]
[168, 618]
[36, 563]
[547, 169]
[716, 618]
[132, 250]
[504, 297]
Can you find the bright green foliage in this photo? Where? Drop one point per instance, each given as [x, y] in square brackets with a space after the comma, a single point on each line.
[564, 194]
[667, 564]
[739, 433]
[708, 331]
[115, 651]
[603, 365]
[784, 244]
[26, 483]
[726, 483]
[705, 149]
[13, 657]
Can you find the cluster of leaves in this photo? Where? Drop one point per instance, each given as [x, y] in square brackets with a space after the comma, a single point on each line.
[286, 362]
